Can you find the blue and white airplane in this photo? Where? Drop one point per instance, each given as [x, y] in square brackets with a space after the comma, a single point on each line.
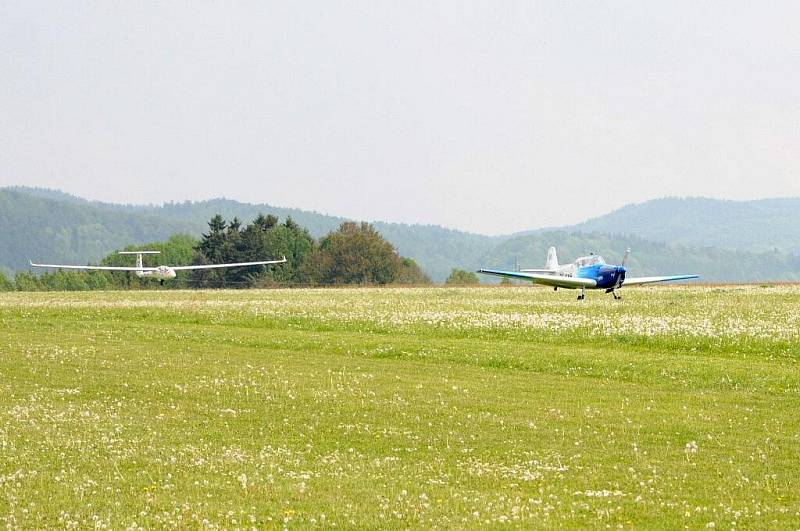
[587, 272]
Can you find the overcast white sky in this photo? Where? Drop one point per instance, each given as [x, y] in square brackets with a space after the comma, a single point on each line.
[488, 116]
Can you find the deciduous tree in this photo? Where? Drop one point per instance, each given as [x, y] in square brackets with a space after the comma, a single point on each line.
[354, 254]
[459, 277]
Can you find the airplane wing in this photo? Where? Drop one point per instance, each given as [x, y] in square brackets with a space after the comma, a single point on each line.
[217, 266]
[547, 280]
[94, 268]
[635, 281]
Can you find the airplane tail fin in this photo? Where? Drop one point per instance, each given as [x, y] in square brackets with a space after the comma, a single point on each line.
[550, 267]
[552, 259]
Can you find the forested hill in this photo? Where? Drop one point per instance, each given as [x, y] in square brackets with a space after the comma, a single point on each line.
[51, 225]
[760, 225]
[70, 231]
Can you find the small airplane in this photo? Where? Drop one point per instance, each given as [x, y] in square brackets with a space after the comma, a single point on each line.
[586, 272]
[160, 273]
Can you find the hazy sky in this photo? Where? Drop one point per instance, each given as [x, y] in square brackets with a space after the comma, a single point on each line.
[491, 116]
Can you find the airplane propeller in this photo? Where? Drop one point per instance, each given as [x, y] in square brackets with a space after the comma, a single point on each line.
[622, 273]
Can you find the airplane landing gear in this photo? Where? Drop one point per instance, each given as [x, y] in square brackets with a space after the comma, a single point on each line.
[616, 297]
[161, 281]
[582, 295]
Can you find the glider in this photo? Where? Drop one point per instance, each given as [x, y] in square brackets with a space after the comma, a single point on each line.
[587, 272]
[160, 273]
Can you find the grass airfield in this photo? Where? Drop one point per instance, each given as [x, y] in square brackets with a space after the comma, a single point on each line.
[398, 408]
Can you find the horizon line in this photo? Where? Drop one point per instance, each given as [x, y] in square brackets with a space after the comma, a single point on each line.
[165, 203]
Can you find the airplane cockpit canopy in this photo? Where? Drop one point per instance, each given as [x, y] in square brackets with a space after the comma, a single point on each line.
[591, 260]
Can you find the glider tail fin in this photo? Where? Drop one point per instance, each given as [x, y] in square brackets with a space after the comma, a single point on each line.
[139, 256]
[552, 259]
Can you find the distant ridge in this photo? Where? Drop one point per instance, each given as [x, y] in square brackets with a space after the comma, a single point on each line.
[47, 193]
[757, 225]
[720, 240]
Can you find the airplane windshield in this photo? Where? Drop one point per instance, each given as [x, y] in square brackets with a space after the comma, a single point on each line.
[588, 261]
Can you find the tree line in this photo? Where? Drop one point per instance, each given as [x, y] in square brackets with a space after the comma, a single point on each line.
[355, 253]
[45, 224]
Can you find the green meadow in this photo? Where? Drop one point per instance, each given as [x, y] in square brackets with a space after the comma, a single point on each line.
[401, 408]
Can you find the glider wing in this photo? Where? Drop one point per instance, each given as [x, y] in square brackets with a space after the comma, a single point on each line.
[217, 266]
[94, 268]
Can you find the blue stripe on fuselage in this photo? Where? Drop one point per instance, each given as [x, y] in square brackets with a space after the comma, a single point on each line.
[606, 276]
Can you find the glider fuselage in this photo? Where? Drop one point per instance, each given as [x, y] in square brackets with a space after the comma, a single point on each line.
[160, 273]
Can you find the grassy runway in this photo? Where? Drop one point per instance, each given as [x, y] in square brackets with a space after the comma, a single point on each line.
[397, 408]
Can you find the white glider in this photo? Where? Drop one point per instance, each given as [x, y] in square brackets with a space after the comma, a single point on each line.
[162, 272]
